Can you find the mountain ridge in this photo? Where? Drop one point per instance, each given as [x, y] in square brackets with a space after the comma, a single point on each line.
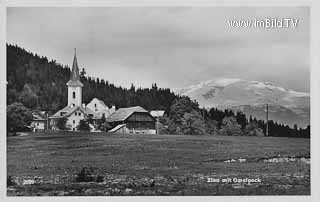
[287, 106]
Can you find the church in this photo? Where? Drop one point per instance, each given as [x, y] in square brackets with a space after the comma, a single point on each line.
[124, 120]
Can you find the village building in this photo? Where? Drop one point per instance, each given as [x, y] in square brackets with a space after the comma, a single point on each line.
[39, 121]
[132, 120]
[99, 108]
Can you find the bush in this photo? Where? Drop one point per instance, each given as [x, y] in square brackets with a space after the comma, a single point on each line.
[10, 181]
[84, 176]
[193, 124]
[83, 125]
[61, 123]
[18, 117]
[252, 129]
[99, 178]
[230, 127]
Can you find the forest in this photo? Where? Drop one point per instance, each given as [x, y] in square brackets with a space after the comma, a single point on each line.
[39, 84]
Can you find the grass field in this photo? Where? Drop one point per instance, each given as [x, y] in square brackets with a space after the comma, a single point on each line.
[155, 165]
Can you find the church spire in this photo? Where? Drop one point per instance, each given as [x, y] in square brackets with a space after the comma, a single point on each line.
[75, 69]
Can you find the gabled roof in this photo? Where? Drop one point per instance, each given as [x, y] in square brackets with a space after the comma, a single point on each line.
[39, 116]
[67, 111]
[123, 113]
[157, 113]
[115, 129]
[100, 101]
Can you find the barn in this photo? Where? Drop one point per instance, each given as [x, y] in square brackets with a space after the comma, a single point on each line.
[132, 120]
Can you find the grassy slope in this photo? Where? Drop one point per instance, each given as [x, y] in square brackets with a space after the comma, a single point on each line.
[66, 153]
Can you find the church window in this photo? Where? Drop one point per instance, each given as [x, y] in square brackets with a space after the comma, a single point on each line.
[73, 94]
[95, 105]
[74, 121]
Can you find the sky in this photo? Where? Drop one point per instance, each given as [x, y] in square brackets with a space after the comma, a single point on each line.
[171, 46]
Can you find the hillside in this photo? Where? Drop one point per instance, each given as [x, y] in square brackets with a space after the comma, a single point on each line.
[39, 83]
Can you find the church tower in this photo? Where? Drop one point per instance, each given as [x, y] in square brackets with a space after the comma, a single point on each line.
[74, 85]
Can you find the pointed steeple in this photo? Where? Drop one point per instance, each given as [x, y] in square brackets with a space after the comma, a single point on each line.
[75, 69]
[75, 76]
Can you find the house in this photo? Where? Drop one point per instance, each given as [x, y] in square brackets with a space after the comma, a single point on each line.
[99, 108]
[132, 120]
[157, 113]
[39, 121]
[73, 116]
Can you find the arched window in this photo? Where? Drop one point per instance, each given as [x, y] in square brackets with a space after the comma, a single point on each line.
[73, 94]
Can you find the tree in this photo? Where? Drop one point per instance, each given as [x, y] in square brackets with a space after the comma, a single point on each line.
[61, 123]
[211, 127]
[181, 106]
[192, 123]
[28, 98]
[18, 117]
[230, 126]
[83, 72]
[252, 129]
[83, 125]
[103, 125]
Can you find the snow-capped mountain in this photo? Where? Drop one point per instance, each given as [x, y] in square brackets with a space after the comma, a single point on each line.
[285, 105]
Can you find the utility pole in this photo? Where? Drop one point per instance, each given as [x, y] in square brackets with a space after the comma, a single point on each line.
[47, 121]
[267, 126]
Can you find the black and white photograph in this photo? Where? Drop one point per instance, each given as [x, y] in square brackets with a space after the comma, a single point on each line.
[158, 101]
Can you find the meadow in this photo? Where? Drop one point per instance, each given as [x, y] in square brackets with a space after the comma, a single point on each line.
[71, 163]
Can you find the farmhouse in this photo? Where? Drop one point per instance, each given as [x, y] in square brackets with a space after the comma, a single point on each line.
[100, 108]
[39, 121]
[126, 120]
[132, 120]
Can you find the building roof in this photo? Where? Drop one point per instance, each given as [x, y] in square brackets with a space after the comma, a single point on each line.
[123, 113]
[157, 113]
[39, 116]
[75, 77]
[67, 111]
[100, 101]
[115, 129]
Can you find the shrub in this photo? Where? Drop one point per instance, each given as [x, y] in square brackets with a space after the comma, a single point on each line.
[83, 125]
[10, 181]
[18, 117]
[230, 127]
[61, 123]
[84, 176]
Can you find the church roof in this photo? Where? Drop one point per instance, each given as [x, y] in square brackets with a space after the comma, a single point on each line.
[123, 113]
[67, 111]
[75, 76]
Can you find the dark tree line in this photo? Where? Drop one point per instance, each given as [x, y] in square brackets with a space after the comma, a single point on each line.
[38, 83]
[41, 84]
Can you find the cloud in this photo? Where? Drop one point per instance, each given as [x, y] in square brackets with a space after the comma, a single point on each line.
[173, 46]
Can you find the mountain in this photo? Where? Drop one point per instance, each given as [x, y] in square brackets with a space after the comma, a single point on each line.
[285, 105]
